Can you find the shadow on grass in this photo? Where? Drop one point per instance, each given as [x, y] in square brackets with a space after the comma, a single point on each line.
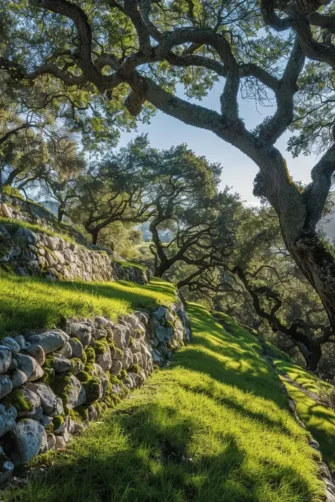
[35, 303]
[154, 464]
[154, 451]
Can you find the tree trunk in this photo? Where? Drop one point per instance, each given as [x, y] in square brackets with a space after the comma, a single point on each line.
[161, 269]
[318, 266]
[299, 213]
[314, 357]
[94, 233]
[60, 214]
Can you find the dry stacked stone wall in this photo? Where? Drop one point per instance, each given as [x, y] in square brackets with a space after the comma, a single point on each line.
[27, 252]
[54, 383]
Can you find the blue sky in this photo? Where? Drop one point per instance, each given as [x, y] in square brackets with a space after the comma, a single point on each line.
[238, 170]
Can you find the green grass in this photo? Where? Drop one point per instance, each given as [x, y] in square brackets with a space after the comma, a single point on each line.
[212, 427]
[13, 225]
[29, 302]
[302, 377]
[319, 419]
[130, 264]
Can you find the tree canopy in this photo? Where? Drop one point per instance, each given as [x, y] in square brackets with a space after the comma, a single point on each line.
[105, 64]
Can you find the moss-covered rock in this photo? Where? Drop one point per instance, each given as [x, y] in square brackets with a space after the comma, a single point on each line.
[19, 400]
[93, 388]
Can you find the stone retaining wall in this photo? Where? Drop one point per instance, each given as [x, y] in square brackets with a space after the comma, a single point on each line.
[53, 383]
[35, 253]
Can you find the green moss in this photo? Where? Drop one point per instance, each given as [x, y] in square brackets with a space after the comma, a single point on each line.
[58, 421]
[82, 412]
[123, 374]
[135, 369]
[132, 341]
[83, 376]
[114, 379]
[92, 387]
[61, 387]
[101, 346]
[17, 399]
[48, 376]
[118, 351]
[77, 365]
[90, 354]
[76, 416]
[84, 358]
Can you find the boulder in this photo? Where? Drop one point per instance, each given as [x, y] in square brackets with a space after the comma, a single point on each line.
[5, 358]
[69, 256]
[49, 341]
[18, 378]
[21, 341]
[51, 440]
[30, 367]
[102, 322]
[12, 344]
[59, 442]
[6, 211]
[61, 364]
[104, 360]
[46, 421]
[47, 397]
[83, 332]
[116, 367]
[27, 403]
[37, 352]
[127, 359]
[59, 256]
[163, 333]
[132, 320]
[53, 243]
[161, 315]
[121, 336]
[157, 358]
[66, 350]
[7, 419]
[6, 467]
[75, 393]
[26, 235]
[28, 438]
[99, 372]
[13, 365]
[6, 386]
[77, 347]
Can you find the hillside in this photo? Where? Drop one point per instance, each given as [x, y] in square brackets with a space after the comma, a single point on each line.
[214, 425]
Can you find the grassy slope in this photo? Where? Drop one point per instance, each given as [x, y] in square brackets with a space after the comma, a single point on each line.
[31, 302]
[319, 420]
[212, 427]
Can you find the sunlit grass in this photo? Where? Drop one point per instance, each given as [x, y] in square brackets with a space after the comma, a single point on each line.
[302, 377]
[319, 419]
[30, 302]
[215, 426]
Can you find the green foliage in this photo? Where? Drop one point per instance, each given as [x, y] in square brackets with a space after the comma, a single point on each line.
[214, 426]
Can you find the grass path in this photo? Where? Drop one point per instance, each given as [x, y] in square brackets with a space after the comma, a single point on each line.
[213, 427]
